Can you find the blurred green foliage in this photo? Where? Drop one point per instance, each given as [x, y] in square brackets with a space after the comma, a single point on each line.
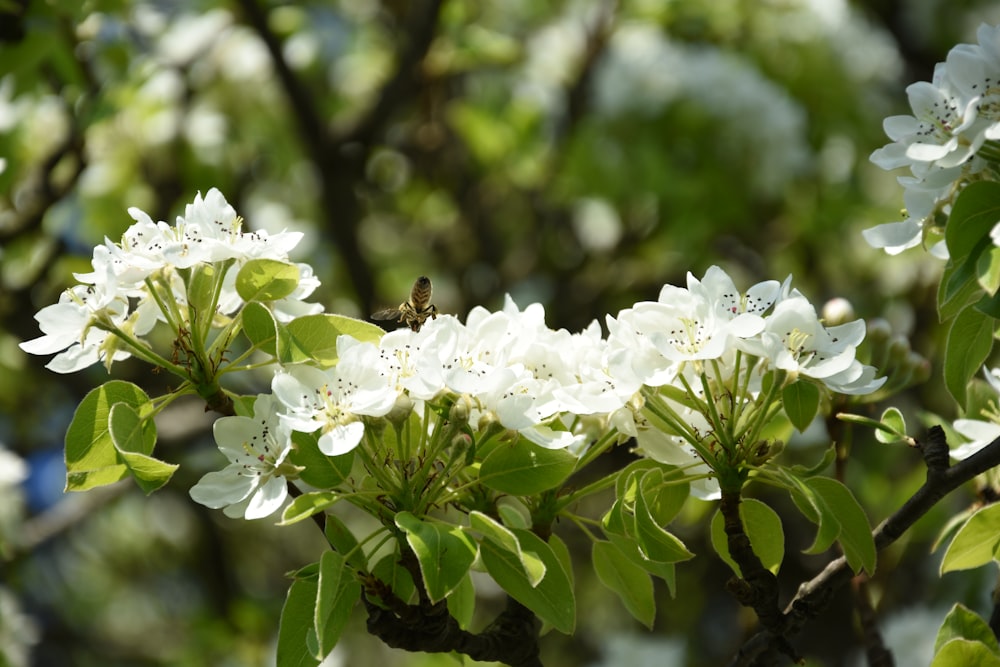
[579, 153]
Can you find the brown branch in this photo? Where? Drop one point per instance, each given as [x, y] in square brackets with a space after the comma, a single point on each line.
[512, 638]
[758, 587]
[812, 597]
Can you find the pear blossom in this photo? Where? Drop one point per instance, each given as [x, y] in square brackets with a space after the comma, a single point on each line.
[794, 340]
[77, 328]
[954, 116]
[118, 293]
[253, 484]
[336, 399]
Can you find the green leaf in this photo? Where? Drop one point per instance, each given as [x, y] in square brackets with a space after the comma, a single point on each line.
[957, 290]
[839, 506]
[91, 457]
[655, 542]
[552, 598]
[534, 568]
[296, 626]
[802, 471]
[975, 212]
[523, 468]
[892, 427]
[629, 581]
[965, 653]
[988, 269]
[338, 590]
[663, 498]
[201, 289]
[306, 505]
[561, 551]
[801, 401]
[342, 539]
[462, 602]
[989, 305]
[315, 337]
[976, 542]
[513, 513]
[444, 552]
[969, 342]
[260, 328]
[319, 470]
[762, 526]
[129, 431]
[619, 527]
[266, 280]
[134, 438]
[390, 571]
[963, 623]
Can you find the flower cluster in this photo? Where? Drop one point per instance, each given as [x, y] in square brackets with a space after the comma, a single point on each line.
[141, 280]
[560, 390]
[694, 377]
[707, 364]
[949, 140]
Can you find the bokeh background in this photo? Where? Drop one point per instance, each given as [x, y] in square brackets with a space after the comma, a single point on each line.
[579, 153]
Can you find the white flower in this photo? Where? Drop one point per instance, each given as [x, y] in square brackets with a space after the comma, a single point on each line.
[68, 327]
[252, 484]
[954, 115]
[334, 400]
[795, 341]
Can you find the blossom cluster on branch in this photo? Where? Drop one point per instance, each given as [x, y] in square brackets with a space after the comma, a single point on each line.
[949, 141]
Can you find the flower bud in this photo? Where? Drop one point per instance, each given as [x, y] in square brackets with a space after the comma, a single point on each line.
[458, 415]
[837, 311]
[401, 410]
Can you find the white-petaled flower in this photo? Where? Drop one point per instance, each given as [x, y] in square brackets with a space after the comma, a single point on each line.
[794, 340]
[252, 485]
[718, 288]
[334, 400]
[69, 327]
[649, 342]
[415, 359]
[954, 116]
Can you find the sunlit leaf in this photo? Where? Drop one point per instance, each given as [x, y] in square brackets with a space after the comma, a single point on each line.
[444, 551]
[975, 543]
[266, 280]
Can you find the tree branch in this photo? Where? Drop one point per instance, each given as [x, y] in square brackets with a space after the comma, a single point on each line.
[813, 596]
[512, 638]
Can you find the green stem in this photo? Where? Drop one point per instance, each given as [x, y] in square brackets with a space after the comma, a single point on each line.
[141, 351]
[606, 441]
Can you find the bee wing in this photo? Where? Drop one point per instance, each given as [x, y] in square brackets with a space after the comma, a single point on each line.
[386, 314]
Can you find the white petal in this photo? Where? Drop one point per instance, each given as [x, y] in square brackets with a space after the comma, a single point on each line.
[551, 439]
[267, 499]
[341, 439]
[221, 488]
[894, 237]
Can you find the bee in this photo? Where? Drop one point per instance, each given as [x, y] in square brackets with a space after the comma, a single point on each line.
[414, 311]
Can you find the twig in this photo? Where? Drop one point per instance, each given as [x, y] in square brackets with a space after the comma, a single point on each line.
[813, 595]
